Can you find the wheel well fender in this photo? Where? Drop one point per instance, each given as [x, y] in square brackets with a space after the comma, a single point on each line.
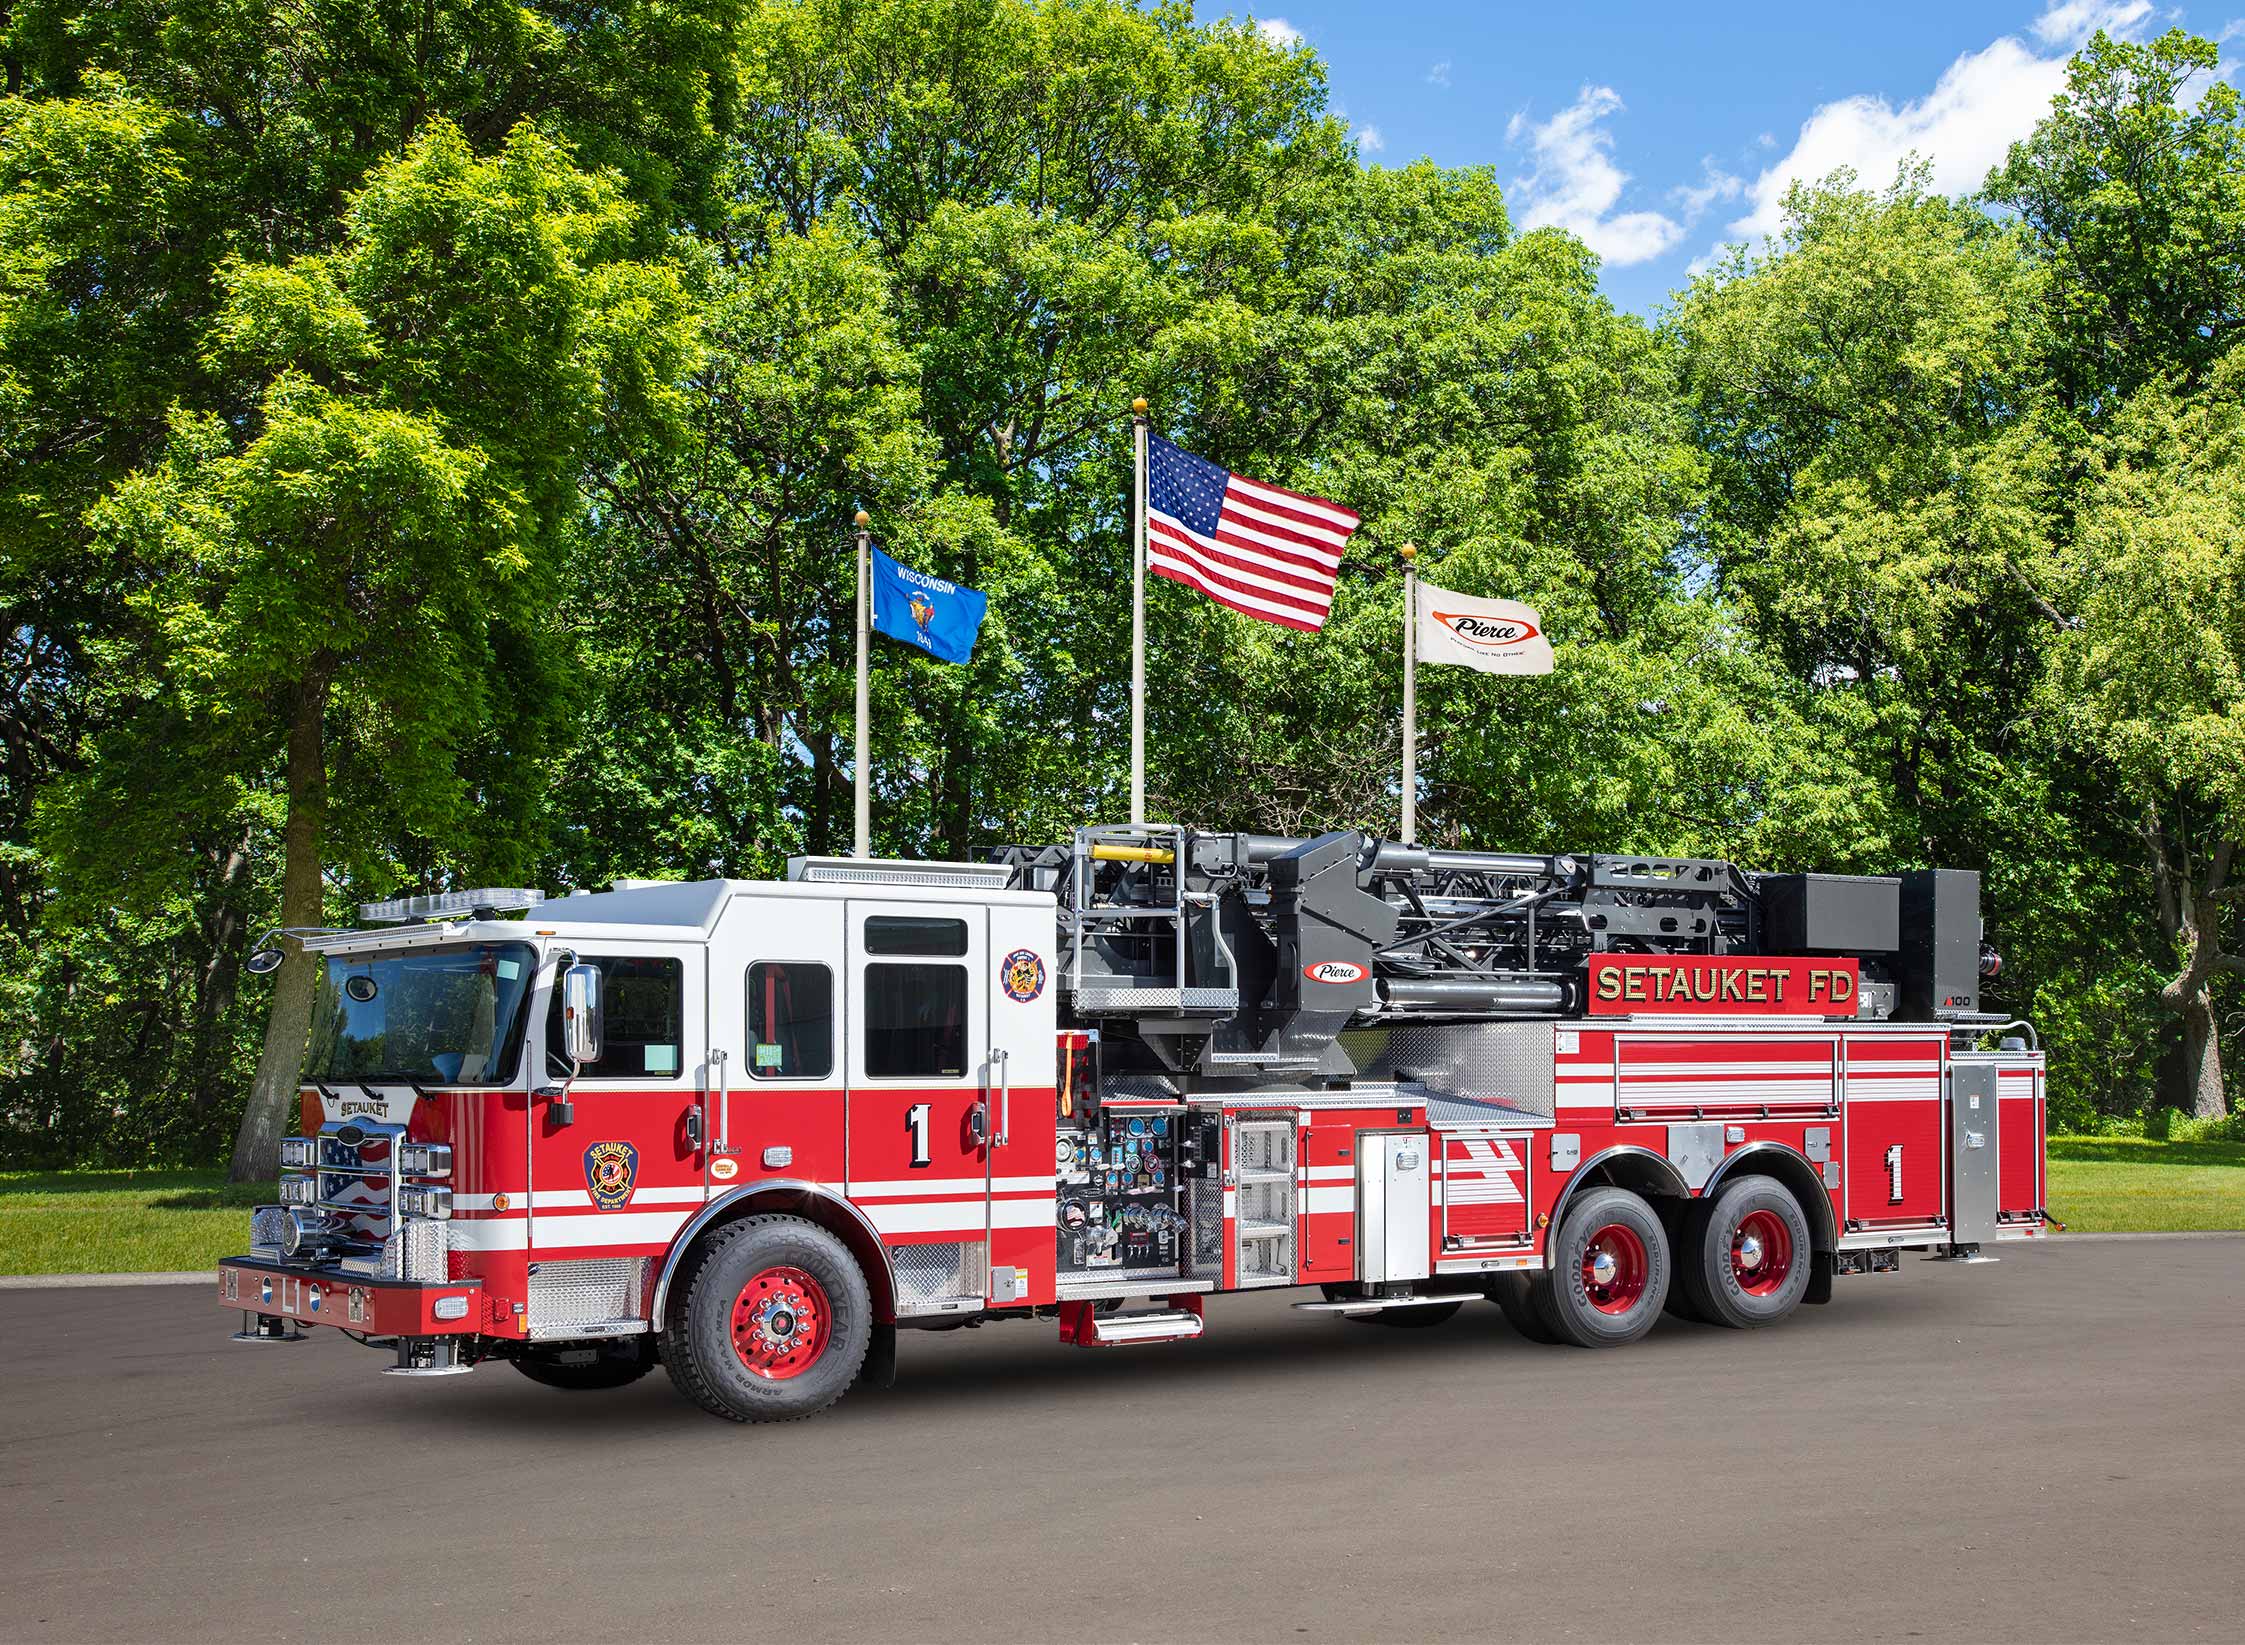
[812, 1202]
[1789, 1166]
[1639, 1170]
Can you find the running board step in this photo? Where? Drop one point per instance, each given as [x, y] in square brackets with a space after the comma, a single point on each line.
[1373, 1305]
[1086, 1327]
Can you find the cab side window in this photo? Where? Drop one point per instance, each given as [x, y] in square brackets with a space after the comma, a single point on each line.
[915, 1014]
[643, 1016]
[790, 1020]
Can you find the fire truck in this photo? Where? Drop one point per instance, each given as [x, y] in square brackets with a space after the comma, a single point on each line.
[750, 1131]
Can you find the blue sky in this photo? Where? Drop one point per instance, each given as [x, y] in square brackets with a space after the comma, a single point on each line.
[1658, 132]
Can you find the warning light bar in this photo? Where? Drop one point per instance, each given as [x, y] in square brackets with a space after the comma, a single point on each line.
[495, 899]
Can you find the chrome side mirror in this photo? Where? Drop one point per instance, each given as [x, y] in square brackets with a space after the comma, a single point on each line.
[580, 1014]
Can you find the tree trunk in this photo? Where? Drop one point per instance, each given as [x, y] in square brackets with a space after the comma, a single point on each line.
[2202, 1056]
[272, 1095]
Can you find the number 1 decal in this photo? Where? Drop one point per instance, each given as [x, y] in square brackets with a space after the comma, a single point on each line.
[916, 1121]
[1894, 1175]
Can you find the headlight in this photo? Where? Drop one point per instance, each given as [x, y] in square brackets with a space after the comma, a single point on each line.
[299, 1191]
[425, 1159]
[299, 1153]
[434, 1203]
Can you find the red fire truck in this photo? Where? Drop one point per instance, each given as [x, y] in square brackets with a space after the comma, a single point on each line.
[751, 1130]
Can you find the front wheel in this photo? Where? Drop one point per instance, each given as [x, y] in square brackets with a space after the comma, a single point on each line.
[590, 1367]
[775, 1324]
[1609, 1271]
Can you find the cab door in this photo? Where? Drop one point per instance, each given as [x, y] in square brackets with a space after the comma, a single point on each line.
[621, 1173]
[919, 1119]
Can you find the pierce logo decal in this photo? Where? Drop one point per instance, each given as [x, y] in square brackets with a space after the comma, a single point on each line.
[1022, 975]
[1334, 971]
[1488, 633]
[611, 1170]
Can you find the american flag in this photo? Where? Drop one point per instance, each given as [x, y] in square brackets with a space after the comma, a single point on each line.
[1260, 549]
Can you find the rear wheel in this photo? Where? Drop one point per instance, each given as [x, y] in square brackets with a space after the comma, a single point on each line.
[1516, 1295]
[590, 1366]
[1609, 1271]
[1751, 1264]
[774, 1325]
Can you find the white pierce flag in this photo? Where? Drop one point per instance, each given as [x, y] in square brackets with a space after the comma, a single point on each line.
[1494, 636]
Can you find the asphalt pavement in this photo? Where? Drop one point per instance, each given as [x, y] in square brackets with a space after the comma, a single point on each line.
[2045, 1450]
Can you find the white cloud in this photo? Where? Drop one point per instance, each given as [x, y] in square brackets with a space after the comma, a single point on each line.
[1984, 102]
[2070, 22]
[1575, 185]
[1714, 184]
[1279, 32]
[1439, 75]
[1370, 140]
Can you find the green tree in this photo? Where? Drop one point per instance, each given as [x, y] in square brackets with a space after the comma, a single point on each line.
[2150, 678]
[356, 572]
[2134, 189]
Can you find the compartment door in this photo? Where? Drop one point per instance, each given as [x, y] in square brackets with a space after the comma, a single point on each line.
[1482, 1195]
[1394, 1198]
[1974, 1151]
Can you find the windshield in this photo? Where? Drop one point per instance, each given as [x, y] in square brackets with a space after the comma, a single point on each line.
[432, 1016]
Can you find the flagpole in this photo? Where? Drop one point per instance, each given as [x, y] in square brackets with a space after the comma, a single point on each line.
[864, 796]
[1138, 619]
[1409, 555]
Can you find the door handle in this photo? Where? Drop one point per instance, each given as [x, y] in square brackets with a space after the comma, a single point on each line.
[724, 1105]
[694, 1125]
[998, 1061]
[978, 1121]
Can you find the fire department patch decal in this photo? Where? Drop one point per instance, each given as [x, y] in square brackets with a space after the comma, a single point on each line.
[611, 1168]
[1022, 975]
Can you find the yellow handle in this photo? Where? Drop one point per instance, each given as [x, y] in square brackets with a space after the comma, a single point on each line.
[1131, 853]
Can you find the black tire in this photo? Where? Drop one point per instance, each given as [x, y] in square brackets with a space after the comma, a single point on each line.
[609, 1365]
[1754, 1215]
[1516, 1295]
[1591, 1313]
[698, 1340]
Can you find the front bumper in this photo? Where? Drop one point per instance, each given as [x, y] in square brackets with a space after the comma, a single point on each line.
[352, 1302]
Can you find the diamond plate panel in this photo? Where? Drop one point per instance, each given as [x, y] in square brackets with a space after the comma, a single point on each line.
[1508, 1062]
[1207, 1211]
[941, 1272]
[587, 1291]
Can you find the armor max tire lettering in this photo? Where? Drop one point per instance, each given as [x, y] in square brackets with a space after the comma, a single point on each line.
[698, 1343]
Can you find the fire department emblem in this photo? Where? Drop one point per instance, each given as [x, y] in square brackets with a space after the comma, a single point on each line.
[611, 1168]
[1022, 976]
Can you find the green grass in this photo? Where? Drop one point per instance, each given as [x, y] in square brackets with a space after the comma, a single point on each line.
[136, 1222]
[122, 1222]
[2131, 1185]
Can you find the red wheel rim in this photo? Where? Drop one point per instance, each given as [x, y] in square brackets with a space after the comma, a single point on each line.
[1761, 1253]
[1614, 1269]
[781, 1323]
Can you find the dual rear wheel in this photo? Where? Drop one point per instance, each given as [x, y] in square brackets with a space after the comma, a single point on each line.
[1740, 1260]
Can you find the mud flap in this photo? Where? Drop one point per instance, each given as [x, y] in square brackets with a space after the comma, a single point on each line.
[879, 1370]
[1820, 1278]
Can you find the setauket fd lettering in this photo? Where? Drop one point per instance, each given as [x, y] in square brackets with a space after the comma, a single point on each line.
[1664, 982]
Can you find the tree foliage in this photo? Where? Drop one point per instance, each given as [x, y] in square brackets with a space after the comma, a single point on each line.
[428, 441]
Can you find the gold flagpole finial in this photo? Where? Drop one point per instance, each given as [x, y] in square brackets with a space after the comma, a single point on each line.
[1407, 553]
[1138, 407]
[863, 519]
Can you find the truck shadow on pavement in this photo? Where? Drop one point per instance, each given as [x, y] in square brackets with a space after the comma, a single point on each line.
[1001, 1366]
